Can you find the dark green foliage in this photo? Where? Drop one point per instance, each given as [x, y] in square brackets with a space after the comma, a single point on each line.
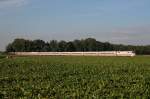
[62, 46]
[60, 77]
[89, 44]
[39, 45]
[2, 55]
[53, 45]
[70, 47]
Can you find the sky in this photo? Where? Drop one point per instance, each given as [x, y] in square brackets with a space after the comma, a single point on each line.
[114, 21]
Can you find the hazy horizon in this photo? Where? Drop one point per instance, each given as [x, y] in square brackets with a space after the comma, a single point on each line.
[115, 21]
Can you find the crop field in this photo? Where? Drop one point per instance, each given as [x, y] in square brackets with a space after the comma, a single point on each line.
[74, 77]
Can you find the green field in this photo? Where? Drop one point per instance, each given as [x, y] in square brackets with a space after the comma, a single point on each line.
[2, 55]
[72, 77]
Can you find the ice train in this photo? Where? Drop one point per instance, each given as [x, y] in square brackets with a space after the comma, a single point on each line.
[98, 53]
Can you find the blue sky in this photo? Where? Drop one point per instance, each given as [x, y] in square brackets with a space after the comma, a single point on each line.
[116, 21]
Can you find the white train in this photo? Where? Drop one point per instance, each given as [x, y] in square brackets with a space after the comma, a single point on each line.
[100, 53]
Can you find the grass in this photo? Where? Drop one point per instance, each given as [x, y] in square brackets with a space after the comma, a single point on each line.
[2, 55]
[72, 77]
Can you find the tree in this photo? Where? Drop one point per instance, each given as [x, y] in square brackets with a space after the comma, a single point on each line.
[53, 45]
[62, 46]
[89, 44]
[18, 45]
[46, 47]
[38, 45]
[77, 44]
[70, 47]
[9, 48]
[99, 46]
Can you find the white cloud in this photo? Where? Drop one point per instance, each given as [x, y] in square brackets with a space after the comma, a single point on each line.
[12, 3]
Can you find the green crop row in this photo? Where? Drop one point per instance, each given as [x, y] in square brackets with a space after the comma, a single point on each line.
[75, 77]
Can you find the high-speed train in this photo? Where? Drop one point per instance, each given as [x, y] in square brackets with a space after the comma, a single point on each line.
[98, 53]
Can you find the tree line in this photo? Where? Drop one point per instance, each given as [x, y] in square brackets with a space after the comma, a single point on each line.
[88, 44]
